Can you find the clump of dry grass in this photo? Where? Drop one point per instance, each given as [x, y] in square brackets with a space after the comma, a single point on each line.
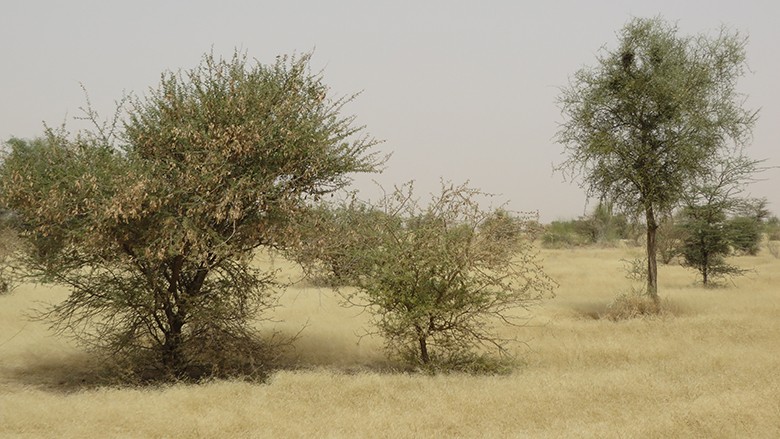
[636, 304]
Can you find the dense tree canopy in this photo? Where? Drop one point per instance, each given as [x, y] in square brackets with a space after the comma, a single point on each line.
[652, 116]
[155, 236]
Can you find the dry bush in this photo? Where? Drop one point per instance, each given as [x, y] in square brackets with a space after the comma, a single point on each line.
[635, 304]
[635, 269]
[774, 248]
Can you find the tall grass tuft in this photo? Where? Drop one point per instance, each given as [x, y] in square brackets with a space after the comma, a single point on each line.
[635, 304]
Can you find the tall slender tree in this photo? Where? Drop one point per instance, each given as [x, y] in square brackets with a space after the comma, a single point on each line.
[653, 115]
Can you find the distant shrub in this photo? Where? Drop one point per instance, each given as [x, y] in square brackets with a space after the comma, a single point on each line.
[602, 227]
[772, 229]
[744, 235]
[669, 238]
[565, 234]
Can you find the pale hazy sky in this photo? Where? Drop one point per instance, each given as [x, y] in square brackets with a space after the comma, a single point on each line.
[459, 90]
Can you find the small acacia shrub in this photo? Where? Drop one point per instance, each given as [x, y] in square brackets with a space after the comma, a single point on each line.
[438, 279]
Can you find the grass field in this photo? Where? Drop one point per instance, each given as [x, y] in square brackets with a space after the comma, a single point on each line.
[709, 369]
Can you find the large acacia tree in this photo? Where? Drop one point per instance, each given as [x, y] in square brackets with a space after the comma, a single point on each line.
[652, 116]
[154, 233]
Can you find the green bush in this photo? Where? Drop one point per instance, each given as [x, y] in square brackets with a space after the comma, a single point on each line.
[565, 234]
[744, 235]
[602, 227]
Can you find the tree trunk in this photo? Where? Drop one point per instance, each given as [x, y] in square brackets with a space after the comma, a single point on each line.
[422, 339]
[652, 262]
[175, 314]
[424, 349]
[172, 359]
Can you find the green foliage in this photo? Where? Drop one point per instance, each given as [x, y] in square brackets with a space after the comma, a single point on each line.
[155, 238]
[708, 236]
[652, 116]
[608, 227]
[9, 249]
[707, 242]
[326, 239]
[437, 279]
[747, 226]
[669, 238]
[564, 234]
[601, 227]
[744, 235]
[772, 228]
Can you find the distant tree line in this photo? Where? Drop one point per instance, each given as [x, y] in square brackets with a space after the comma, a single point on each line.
[701, 234]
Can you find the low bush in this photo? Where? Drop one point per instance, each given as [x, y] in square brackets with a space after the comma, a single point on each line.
[634, 304]
[565, 234]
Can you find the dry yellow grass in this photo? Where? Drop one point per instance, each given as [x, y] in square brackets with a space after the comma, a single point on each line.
[710, 369]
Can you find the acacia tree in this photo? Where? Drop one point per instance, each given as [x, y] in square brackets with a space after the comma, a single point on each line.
[706, 242]
[707, 235]
[437, 279]
[747, 225]
[653, 115]
[155, 238]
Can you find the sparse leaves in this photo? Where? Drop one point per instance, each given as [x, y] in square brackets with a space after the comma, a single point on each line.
[438, 278]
